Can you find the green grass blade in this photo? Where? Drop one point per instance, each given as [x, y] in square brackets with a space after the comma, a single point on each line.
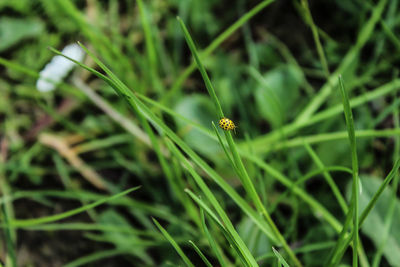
[85, 260]
[211, 241]
[202, 70]
[11, 255]
[223, 147]
[374, 199]
[150, 47]
[204, 258]
[205, 207]
[280, 258]
[328, 178]
[306, 177]
[353, 146]
[317, 41]
[173, 243]
[57, 217]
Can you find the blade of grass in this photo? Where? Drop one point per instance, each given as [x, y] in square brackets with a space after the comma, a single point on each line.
[158, 210]
[214, 246]
[328, 178]
[314, 30]
[202, 70]
[173, 243]
[150, 47]
[354, 162]
[63, 215]
[83, 226]
[205, 260]
[85, 260]
[11, 258]
[223, 147]
[305, 178]
[280, 258]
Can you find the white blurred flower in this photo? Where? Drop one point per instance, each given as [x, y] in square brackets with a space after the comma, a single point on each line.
[58, 68]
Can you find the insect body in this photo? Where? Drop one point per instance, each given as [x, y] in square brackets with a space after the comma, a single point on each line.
[227, 124]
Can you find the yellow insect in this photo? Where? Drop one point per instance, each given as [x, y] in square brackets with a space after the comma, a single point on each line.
[227, 125]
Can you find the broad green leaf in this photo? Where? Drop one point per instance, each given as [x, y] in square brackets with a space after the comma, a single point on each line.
[199, 109]
[374, 225]
[277, 93]
[13, 30]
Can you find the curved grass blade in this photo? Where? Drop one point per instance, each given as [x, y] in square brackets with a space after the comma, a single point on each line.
[354, 162]
[280, 258]
[57, 217]
[173, 243]
[204, 258]
[213, 244]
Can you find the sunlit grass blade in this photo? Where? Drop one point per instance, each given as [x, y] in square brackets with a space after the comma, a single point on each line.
[354, 160]
[280, 258]
[173, 243]
[57, 217]
[204, 258]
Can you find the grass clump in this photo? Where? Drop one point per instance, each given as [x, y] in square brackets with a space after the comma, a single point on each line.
[285, 190]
